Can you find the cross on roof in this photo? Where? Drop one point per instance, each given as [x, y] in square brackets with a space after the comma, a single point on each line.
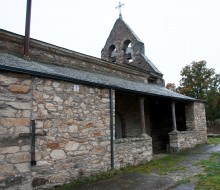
[119, 8]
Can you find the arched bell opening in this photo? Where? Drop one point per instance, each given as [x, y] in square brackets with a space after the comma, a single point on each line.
[127, 48]
[112, 54]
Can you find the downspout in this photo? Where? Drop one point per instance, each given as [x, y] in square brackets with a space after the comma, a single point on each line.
[111, 127]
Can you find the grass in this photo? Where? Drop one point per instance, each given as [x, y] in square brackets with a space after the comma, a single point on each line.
[208, 181]
[214, 140]
[161, 166]
[211, 179]
[184, 181]
[91, 179]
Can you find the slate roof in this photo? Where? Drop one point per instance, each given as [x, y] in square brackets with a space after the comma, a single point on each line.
[13, 63]
[150, 63]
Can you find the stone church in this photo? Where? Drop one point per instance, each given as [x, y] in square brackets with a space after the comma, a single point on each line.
[65, 115]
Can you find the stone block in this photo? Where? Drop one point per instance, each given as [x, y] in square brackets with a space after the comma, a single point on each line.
[3, 130]
[26, 113]
[69, 121]
[13, 180]
[3, 105]
[46, 96]
[7, 80]
[37, 96]
[23, 167]
[19, 89]
[2, 157]
[26, 148]
[43, 163]
[21, 129]
[58, 154]
[7, 112]
[26, 186]
[9, 122]
[47, 88]
[23, 97]
[47, 124]
[7, 97]
[19, 157]
[6, 168]
[53, 145]
[57, 99]
[59, 178]
[56, 84]
[72, 128]
[42, 112]
[39, 124]
[38, 181]
[71, 146]
[10, 149]
[89, 125]
[50, 107]
[20, 105]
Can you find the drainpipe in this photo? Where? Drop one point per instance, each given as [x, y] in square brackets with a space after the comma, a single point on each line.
[27, 29]
[111, 127]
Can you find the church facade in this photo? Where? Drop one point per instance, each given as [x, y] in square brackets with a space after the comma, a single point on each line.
[66, 115]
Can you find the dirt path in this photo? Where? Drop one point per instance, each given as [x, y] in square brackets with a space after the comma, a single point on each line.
[153, 181]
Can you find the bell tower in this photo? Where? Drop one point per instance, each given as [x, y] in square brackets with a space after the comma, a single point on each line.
[124, 47]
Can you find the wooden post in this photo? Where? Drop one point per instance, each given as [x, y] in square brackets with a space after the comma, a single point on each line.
[141, 101]
[173, 116]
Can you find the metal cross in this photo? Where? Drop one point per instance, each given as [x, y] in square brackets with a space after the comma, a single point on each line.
[32, 135]
[119, 8]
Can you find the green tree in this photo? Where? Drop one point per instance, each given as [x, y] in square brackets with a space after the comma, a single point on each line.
[196, 80]
[213, 100]
[203, 83]
[171, 86]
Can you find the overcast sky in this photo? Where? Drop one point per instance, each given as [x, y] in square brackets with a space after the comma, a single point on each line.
[175, 32]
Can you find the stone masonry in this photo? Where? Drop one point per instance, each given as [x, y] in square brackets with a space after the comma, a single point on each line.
[15, 114]
[132, 151]
[76, 123]
[196, 129]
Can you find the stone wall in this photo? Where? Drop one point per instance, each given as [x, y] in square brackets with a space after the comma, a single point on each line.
[15, 114]
[132, 151]
[195, 116]
[196, 128]
[186, 139]
[76, 121]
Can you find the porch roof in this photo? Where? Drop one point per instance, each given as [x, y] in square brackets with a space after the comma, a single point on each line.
[12, 63]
